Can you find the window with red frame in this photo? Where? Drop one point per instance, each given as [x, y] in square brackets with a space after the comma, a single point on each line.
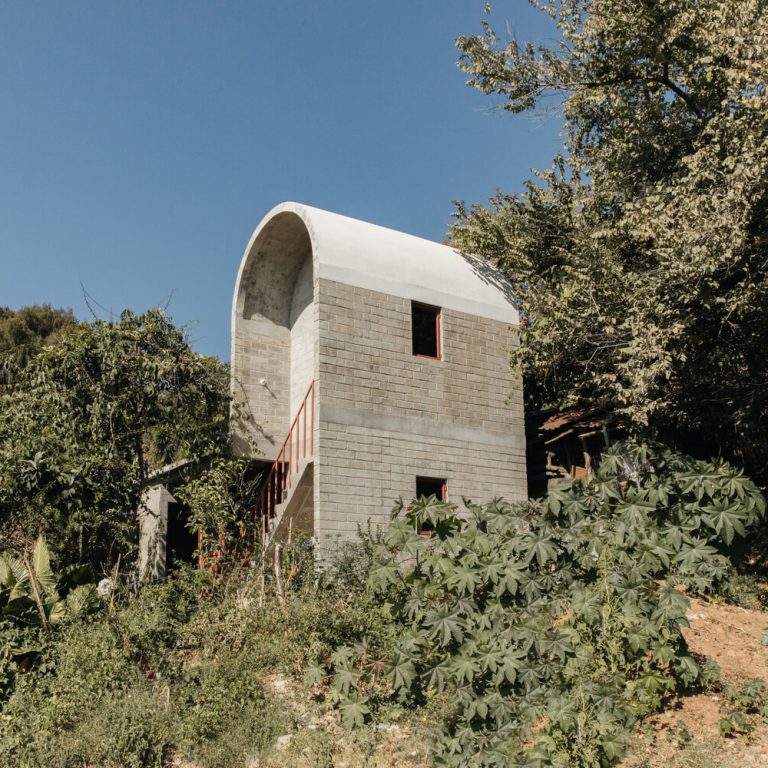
[425, 325]
[430, 486]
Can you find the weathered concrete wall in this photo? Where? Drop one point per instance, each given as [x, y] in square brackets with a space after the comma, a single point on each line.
[386, 417]
[262, 351]
[302, 322]
[153, 532]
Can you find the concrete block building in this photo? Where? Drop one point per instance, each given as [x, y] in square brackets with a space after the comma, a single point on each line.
[374, 365]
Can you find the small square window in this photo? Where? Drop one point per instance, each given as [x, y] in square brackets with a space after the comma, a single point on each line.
[431, 486]
[425, 324]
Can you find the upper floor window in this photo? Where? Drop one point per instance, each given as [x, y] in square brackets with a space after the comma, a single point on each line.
[425, 325]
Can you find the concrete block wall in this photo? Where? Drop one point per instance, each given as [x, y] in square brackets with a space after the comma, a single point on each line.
[262, 349]
[386, 416]
[153, 531]
[303, 329]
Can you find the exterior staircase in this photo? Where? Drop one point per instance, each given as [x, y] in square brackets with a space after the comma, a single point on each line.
[286, 500]
[297, 512]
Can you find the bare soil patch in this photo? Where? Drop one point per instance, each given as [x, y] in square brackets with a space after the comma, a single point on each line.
[687, 733]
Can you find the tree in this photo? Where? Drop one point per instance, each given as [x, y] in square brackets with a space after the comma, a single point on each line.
[24, 331]
[639, 258]
[89, 417]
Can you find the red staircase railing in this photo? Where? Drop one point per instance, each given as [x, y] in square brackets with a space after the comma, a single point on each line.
[298, 445]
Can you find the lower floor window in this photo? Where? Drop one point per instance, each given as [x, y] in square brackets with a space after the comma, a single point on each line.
[430, 486]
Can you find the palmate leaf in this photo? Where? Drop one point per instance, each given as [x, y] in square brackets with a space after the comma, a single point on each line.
[489, 659]
[402, 672]
[635, 510]
[383, 573]
[492, 571]
[509, 666]
[664, 652]
[671, 605]
[529, 674]
[562, 712]
[444, 625]
[531, 585]
[557, 645]
[673, 535]
[540, 548]
[637, 640]
[465, 580]
[464, 669]
[687, 669]
[693, 553]
[314, 675]
[354, 710]
[510, 582]
[398, 533]
[438, 676]
[651, 554]
[726, 518]
[345, 678]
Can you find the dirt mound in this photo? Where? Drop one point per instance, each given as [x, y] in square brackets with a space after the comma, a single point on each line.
[687, 733]
[732, 637]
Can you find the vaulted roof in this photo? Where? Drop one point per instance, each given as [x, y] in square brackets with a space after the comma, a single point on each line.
[368, 256]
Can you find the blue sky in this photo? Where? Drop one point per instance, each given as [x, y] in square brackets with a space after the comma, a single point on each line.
[142, 142]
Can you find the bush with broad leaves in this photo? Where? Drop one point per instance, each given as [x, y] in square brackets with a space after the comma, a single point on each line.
[552, 624]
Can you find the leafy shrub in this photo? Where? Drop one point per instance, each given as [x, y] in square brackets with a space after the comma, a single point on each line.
[554, 624]
[177, 669]
[150, 624]
[739, 704]
[88, 418]
[87, 705]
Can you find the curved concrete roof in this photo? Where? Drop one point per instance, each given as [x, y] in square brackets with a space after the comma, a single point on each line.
[376, 258]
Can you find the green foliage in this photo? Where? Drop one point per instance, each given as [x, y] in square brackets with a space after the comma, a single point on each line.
[221, 503]
[23, 332]
[66, 713]
[554, 624]
[33, 598]
[89, 417]
[741, 703]
[177, 671]
[639, 258]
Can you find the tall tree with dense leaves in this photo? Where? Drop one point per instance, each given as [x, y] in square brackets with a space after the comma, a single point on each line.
[24, 331]
[88, 418]
[640, 257]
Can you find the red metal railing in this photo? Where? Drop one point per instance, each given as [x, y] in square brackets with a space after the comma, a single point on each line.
[298, 445]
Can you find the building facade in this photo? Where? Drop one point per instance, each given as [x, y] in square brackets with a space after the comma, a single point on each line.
[373, 365]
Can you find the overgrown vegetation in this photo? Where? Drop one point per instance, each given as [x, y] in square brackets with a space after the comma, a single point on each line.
[554, 625]
[84, 422]
[528, 634]
[176, 671]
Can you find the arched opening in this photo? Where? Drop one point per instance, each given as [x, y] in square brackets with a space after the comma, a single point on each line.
[273, 330]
